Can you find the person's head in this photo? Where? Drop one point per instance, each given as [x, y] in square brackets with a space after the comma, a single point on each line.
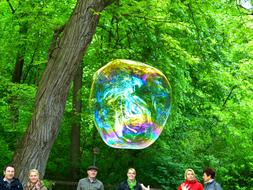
[33, 176]
[208, 174]
[131, 174]
[9, 172]
[189, 174]
[92, 172]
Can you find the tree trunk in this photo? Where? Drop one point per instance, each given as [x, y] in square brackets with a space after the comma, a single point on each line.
[76, 124]
[17, 75]
[33, 151]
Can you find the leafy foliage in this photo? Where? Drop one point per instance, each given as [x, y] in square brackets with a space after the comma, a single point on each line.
[203, 47]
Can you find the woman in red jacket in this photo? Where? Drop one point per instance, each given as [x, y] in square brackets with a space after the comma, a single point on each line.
[190, 181]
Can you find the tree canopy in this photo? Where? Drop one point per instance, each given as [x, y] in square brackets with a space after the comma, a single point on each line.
[204, 48]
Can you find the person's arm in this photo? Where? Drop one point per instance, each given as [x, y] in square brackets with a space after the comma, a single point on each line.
[102, 187]
[201, 187]
[217, 186]
[183, 186]
[144, 188]
[20, 186]
[79, 186]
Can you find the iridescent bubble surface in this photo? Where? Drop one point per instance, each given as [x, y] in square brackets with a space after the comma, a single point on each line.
[131, 102]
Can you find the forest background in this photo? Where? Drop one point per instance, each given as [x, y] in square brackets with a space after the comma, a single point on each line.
[204, 48]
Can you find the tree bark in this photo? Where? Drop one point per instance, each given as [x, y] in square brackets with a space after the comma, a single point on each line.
[76, 123]
[33, 151]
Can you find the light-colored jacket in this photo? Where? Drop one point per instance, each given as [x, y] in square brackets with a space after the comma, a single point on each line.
[213, 185]
[86, 184]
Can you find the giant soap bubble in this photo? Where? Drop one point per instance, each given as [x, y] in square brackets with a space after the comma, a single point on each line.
[131, 102]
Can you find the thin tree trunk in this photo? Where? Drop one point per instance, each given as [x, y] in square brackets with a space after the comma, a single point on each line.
[17, 75]
[16, 78]
[76, 124]
[33, 151]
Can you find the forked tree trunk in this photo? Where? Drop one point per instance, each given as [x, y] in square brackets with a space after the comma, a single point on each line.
[33, 151]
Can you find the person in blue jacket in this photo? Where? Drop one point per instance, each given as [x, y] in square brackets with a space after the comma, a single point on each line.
[8, 181]
[209, 180]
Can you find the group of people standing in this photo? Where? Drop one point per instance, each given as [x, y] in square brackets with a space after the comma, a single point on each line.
[10, 182]
[91, 183]
[191, 182]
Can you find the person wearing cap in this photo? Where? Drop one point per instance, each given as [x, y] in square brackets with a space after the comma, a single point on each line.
[90, 182]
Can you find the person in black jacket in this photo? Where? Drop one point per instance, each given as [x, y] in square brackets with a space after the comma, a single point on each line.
[8, 181]
[131, 183]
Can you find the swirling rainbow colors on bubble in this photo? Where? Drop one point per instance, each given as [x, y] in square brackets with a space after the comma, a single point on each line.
[131, 102]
